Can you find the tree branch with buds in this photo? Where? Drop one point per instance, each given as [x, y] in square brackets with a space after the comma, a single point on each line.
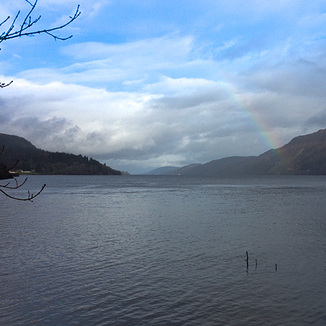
[26, 28]
[4, 189]
[7, 188]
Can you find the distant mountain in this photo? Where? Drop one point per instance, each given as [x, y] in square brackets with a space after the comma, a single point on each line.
[303, 155]
[39, 161]
[162, 170]
[186, 170]
[229, 166]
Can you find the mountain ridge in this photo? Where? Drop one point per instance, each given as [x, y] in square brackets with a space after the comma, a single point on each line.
[22, 155]
[303, 155]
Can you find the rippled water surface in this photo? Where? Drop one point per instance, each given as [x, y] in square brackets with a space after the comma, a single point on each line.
[147, 250]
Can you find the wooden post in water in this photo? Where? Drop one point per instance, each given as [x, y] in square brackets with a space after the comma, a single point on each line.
[275, 267]
[247, 259]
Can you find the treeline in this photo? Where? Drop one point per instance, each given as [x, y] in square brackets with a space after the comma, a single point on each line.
[25, 157]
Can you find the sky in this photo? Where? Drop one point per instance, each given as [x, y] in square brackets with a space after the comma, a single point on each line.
[150, 83]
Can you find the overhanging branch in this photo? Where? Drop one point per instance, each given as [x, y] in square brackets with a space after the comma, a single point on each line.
[7, 188]
[28, 22]
[29, 196]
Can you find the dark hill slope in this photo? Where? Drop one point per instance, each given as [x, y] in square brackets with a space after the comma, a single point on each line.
[229, 166]
[302, 155]
[39, 161]
[186, 170]
[162, 170]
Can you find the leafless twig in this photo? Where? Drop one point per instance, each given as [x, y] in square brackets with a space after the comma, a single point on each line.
[7, 187]
[29, 196]
[25, 28]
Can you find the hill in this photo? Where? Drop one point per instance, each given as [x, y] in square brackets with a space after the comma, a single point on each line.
[229, 166]
[162, 170]
[303, 155]
[39, 161]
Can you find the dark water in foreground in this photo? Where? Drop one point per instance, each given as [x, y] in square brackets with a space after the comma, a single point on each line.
[165, 251]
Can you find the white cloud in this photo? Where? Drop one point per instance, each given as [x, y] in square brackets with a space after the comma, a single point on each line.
[189, 120]
[174, 98]
[143, 55]
[128, 65]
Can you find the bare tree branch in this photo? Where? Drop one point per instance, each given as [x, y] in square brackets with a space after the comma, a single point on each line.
[26, 28]
[29, 22]
[29, 196]
[6, 188]
[3, 85]
[18, 185]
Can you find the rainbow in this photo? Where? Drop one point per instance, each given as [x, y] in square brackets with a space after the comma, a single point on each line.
[259, 124]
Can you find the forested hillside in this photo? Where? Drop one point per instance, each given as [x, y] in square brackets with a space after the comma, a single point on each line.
[21, 155]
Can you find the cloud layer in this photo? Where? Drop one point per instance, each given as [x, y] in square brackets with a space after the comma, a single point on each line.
[218, 81]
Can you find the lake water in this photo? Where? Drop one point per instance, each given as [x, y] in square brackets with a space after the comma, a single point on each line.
[160, 250]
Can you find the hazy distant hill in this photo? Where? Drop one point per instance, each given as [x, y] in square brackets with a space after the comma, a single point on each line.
[186, 170]
[162, 170]
[229, 166]
[44, 162]
[302, 155]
